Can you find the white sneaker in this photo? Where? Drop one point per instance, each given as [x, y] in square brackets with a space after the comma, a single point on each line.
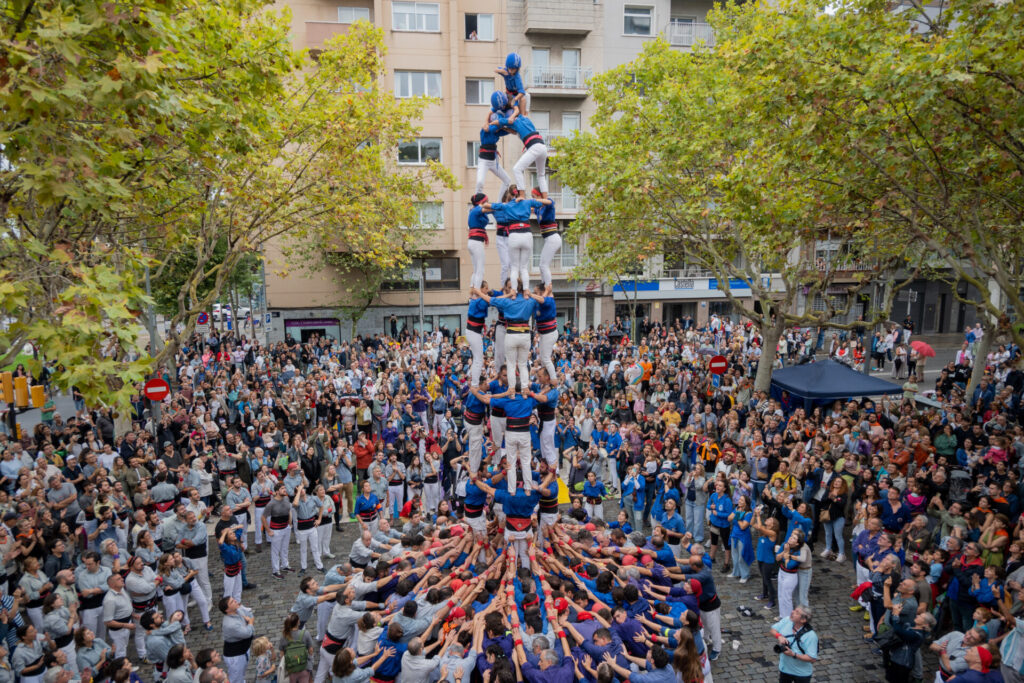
[825, 553]
[329, 556]
[744, 580]
[840, 558]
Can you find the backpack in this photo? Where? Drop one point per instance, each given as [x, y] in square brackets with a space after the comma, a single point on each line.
[296, 655]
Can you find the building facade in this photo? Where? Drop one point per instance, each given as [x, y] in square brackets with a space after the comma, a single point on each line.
[450, 50]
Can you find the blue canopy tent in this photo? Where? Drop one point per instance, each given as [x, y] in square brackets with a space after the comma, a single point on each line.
[827, 381]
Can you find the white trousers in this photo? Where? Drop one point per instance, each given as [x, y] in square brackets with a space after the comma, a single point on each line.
[201, 602]
[244, 521]
[545, 348]
[236, 668]
[476, 252]
[713, 625]
[547, 443]
[233, 586]
[517, 358]
[498, 436]
[520, 254]
[324, 532]
[174, 603]
[35, 615]
[787, 586]
[202, 567]
[323, 669]
[140, 635]
[521, 544]
[501, 242]
[396, 499]
[119, 641]
[279, 549]
[308, 537]
[72, 664]
[519, 450]
[552, 243]
[494, 166]
[537, 154]
[594, 510]
[258, 531]
[499, 350]
[92, 619]
[323, 616]
[476, 442]
[431, 495]
[476, 347]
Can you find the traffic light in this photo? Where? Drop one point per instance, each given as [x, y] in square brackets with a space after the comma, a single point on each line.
[21, 392]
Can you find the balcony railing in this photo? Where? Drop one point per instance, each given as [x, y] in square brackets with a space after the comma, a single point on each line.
[565, 201]
[557, 77]
[844, 266]
[689, 33]
[673, 273]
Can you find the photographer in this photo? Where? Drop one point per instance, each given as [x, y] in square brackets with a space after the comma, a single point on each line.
[797, 646]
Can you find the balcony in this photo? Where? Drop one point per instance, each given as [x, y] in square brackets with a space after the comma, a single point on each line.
[319, 32]
[557, 81]
[566, 202]
[561, 17]
[690, 33]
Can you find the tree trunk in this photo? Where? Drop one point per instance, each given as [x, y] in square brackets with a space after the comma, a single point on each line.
[235, 317]
[981, 353]
[771, 334]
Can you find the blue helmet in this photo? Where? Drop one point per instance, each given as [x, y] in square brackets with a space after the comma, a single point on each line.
[513, 61]
[499, 101]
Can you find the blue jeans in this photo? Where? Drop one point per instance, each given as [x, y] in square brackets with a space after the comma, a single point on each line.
[740, 569]
[695, 520]
[834, 528]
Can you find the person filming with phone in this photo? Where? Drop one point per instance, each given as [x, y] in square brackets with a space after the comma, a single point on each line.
[797, 646]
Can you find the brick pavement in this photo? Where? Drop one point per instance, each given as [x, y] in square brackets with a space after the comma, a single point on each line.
[747, 655]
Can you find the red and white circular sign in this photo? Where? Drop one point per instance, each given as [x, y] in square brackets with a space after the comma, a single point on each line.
[718, 365]
[156, 389]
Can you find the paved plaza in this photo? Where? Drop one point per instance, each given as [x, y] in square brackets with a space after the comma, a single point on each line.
[747, 655]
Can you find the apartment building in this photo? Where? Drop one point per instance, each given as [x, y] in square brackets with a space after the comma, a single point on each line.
[450, 50]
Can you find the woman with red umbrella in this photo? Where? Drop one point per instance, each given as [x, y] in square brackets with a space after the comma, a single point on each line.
[919, 351]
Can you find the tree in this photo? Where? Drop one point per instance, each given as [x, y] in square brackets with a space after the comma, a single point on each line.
[921, 111]
[136, 134]
[103, 104]
[173, 277]
[319, 177]
[668, 170]
[359, 281]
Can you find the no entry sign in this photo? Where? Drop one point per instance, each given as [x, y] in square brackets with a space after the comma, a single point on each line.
[156, 389]
[718, 365]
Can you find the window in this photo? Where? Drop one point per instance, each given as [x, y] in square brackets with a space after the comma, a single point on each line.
[541, 121]
[637, 21]
[415, 83]
[416, 16]
[419, 151]
[350, 15]
[472, 153]
[571, 75]
[570, 122]
[479, 27]
[568, 253]
[538, 247]
[478, 90]
[438, 273]
[430, 215]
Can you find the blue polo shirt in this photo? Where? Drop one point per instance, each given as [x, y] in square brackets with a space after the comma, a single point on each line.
[808, 646]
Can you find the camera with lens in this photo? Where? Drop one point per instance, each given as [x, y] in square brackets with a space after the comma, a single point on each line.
[779, 649]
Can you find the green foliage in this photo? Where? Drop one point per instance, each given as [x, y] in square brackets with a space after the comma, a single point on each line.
[187, 136]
